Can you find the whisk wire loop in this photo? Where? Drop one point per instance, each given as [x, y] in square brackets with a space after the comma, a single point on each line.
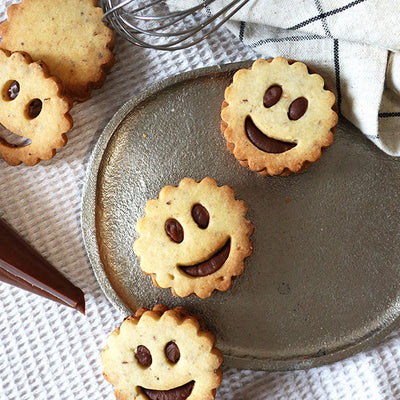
[164, 30]
[171, 14]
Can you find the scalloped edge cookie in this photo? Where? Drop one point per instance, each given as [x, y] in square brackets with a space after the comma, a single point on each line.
[122, 366]
[166, 261]
[47, 131]
[72, 40]
[237, 105]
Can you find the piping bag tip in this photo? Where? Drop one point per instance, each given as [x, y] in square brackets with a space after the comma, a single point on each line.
[80, 306]
[23, 266]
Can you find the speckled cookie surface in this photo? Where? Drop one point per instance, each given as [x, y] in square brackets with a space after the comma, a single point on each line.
[194, 237]
[162, 354]
[278, 116]
[31, 106]
[68, 35]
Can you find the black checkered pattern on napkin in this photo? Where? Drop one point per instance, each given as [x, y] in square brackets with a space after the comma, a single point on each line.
[354, 45]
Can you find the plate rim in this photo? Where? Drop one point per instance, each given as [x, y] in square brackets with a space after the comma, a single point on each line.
[88, 229]
[87, 218]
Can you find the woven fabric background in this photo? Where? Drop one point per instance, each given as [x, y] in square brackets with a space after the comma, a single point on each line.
[52, 352]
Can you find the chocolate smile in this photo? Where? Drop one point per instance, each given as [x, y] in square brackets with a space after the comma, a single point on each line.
[213, 264]
[12, 139]
[263, 142]
[179, 393]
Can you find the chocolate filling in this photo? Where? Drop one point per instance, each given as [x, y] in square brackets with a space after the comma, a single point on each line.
[34, 108]
[13, 90]
[143, 356]
[272, 96]
[179, 393]
[263, 142]
[172, 352]
[297, 108]
[200, 216]
[211, 265]
[21, 265]
[12, 139]
[174, 230]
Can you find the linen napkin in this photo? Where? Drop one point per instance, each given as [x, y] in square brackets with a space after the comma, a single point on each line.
[354, 45]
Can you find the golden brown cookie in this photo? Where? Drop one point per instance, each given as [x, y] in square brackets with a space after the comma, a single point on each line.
[68, 35]
[278, 116]
[33, 107]
[194, 238]
[162, 354]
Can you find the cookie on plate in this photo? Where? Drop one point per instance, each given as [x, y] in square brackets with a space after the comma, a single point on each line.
[194, 238]
[68, 35]
[162, 354]
[278, 116]
[32, 106]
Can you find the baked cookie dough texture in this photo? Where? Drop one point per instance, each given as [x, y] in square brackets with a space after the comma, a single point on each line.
[278, 116]
[68, 35]
[33, 107]
[194, 238]
[162, 354]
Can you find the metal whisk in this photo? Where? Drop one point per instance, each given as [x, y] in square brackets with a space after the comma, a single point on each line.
[151, 24]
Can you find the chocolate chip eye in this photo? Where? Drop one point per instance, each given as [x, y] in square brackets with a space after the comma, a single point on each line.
[34, 108]
[200, 216]
[298, 108]
[172, 352]
[11, 90]
[143, 356]
[272, 95]
[174, 230]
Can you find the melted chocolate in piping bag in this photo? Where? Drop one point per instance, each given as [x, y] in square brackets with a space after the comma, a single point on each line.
[21, 265]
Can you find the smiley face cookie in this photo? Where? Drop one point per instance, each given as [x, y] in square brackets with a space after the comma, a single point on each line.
[68, 35]
[278, 116]
[33, 107]
[162, 354]
[194, 238]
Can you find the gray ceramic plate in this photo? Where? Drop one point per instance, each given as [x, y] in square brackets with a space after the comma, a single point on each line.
[323, 281]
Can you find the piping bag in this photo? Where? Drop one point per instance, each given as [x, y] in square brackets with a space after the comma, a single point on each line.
[22, 266]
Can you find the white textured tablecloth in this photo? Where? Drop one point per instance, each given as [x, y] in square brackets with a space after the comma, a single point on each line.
[48, 351]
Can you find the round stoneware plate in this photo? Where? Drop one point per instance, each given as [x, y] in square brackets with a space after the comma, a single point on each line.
[323, 280]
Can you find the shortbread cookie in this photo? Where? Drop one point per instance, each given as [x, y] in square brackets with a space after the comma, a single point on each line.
[278, 116]
[162, 354]
[194, 238]
[33, 107]
[68, 35]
